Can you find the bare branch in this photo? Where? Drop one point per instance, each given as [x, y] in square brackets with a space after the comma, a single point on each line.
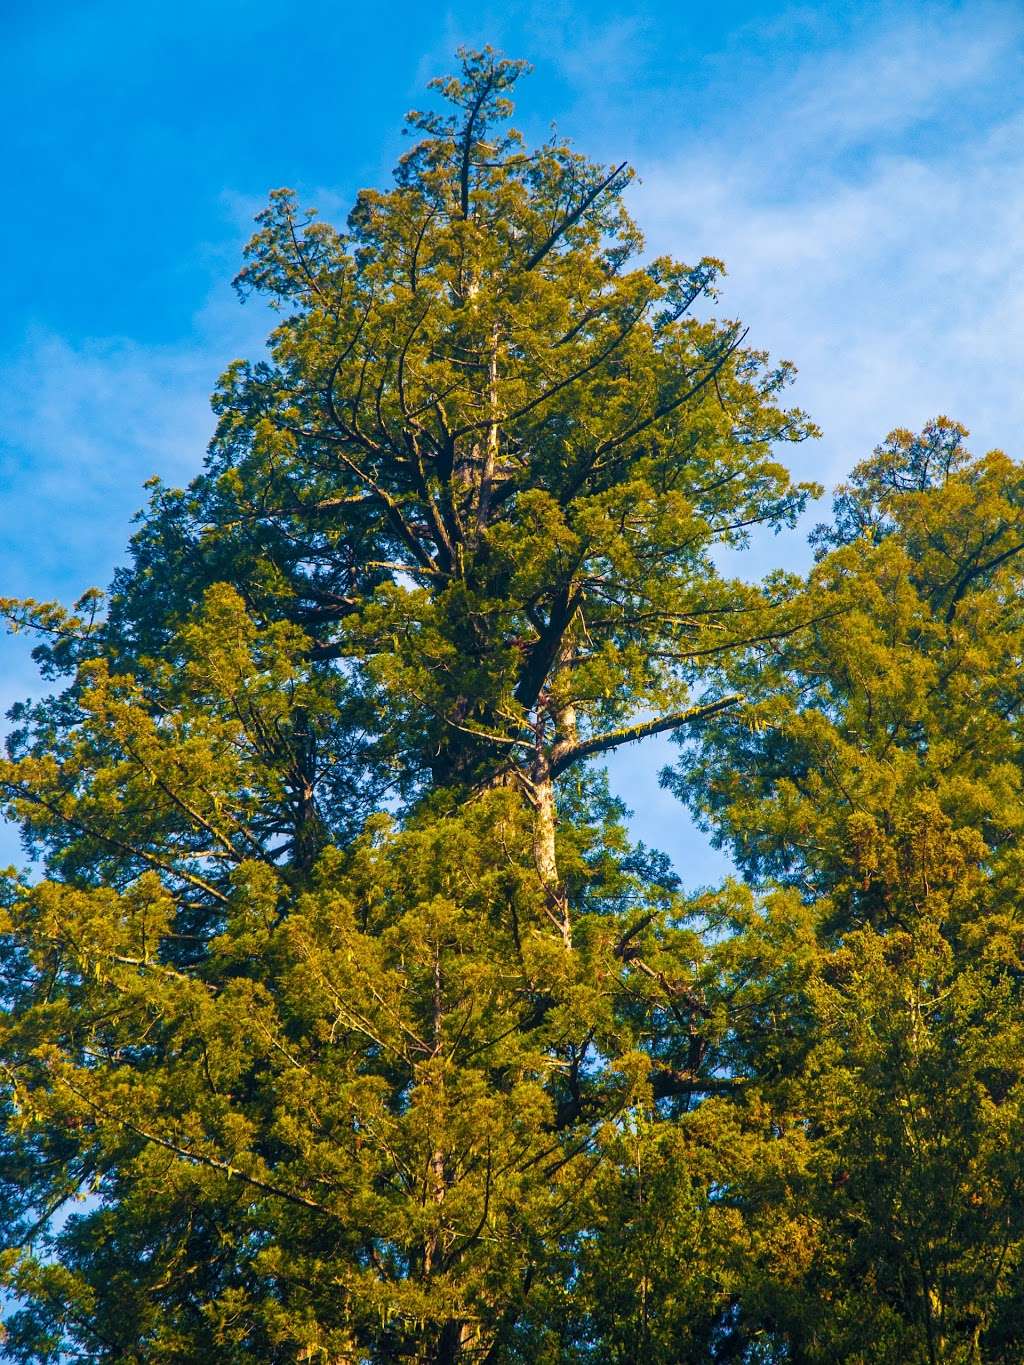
[599, 744]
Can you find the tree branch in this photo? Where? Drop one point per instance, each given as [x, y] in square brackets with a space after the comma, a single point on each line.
[201, 1158]
[567, 222]
[684, 397]
[599, 744]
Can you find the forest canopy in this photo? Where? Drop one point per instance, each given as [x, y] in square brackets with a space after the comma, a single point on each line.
[341, 1019]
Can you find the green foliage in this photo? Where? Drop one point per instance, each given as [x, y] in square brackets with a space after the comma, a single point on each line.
[488, 457]
[361, 1117]
[341, 1021]
[877, 773]
[332, 1087]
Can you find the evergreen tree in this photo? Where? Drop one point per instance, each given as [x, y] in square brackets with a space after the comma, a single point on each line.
[875, 778]
[340, 1085]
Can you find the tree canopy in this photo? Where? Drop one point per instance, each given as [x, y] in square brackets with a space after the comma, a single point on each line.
[875, 774]
[341, 1020]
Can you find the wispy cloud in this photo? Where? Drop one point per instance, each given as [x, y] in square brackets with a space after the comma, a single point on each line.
[899, 74]
[85, 423]
[896, 282]
[869, 203]
[84, 426]
[603, 54]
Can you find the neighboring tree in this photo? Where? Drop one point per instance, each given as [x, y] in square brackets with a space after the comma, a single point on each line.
[877, 775]
[342, 1086]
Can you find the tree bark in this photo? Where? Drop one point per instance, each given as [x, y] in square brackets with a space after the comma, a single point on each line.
[545, 815]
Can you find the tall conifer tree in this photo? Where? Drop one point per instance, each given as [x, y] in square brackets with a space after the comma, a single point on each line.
[874, 779]
[342, 1085]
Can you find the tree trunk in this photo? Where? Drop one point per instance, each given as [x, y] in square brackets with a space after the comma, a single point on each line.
[545, 820]
[490, 456]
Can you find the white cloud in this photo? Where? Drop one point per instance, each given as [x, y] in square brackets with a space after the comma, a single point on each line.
[604, 54]
[872, 228]
[85, 424]
[897, 76]
[896, 282]
[84, 427]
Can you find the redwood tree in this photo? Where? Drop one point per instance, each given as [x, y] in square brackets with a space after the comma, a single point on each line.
[340, 988]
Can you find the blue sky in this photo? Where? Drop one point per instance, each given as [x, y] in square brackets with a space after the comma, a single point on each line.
[860, 168]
